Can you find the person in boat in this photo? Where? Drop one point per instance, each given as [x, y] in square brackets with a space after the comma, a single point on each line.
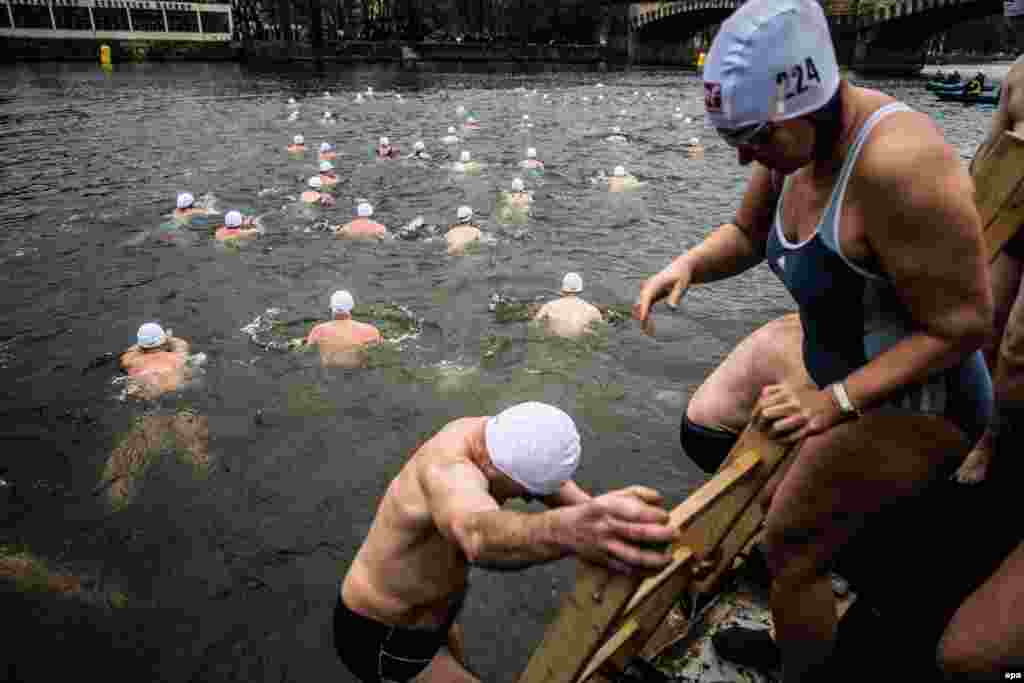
[386, 151]
[974, 87]
[451, 138]
[620, 181]
[419, 152]
[890, 321]
[342, 341]
[328, 176]
[401, 596]
[463, 232]
[531, 163]
[156, 363]
[237, 227]
[298, 145]
[569, 316]
[327, 152]
[362, 226]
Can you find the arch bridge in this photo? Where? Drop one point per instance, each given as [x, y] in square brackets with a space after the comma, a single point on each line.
[882, 35]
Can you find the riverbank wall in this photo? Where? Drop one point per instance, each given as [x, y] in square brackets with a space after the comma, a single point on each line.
[70, 50]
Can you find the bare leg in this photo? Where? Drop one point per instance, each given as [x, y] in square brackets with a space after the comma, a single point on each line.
[772, 354]
[445, 668]
[985, 638]
[1005, 275]
[837, 479]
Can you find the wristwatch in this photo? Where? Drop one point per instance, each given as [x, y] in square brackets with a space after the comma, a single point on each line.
[843, 401]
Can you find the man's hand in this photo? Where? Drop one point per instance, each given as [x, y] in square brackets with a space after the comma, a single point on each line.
[611, 528]
[791, 413]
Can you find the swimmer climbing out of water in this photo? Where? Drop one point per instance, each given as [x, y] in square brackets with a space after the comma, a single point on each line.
[569, 316]
[341, 341]
[156, 363]
[401, 596]
[362, 227]
[237, 227]
[327, 152]
[620, 181]
[298, 145]
[463, 232]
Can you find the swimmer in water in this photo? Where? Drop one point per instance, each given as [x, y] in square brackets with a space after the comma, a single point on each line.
[471, 123]
[156, 364]
[694, 149]
[362, 227]
[460, 111]
[186, 207]
[298, 145]
[678, 113]
[294, 116]
[526, 122]
[327, 152]
[518, 198]
[419, 151]
[292, 102]
[569, 316]
[237, 228]
[617, 135]
[465, 164]
[451, 138]
[328, 177]
[385, 149]
[359, 98]
[463, 232]
[621, 181]
[531, 162]
[327, 95]
[341, 341]
[328, 117]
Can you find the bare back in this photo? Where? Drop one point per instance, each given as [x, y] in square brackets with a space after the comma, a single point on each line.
[569, 316]
[156, 372]
[341, 342]
[407, 573]
[460, 237]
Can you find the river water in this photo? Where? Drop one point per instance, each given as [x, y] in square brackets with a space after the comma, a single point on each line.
[227, 569]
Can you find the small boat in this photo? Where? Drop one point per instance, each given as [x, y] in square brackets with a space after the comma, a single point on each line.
[984, 98]
[942, 86]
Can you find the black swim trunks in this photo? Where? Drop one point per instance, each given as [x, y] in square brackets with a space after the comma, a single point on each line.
[376, 652]
[1015, 247]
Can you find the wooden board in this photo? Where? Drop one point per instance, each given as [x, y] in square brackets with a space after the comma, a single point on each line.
[999, 191]
[593, 614]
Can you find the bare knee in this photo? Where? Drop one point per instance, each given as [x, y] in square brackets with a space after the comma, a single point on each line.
[958, 658]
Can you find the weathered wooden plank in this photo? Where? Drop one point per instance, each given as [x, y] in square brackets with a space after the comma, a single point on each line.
[999, 191]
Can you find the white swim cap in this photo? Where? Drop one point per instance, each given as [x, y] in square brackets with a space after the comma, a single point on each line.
[327, 114]
[419, 146]
[694, 142]
[384, 141]
[325, 147]
[616, 130]
[291, 100]
[619, 171]
[572, 282]
[771, 60]
[679, 108]
[185, 200]
[460, 110]
[526, 117]
[151, 335]
[451, 130]
[518, 185]
[688, 119]
[534, 444]
[531, 153]
[364, 210]
[342, 302]
[464, 156]
[327, 93]
[369, 89]
[299, 140]
[315, 182]
[470, 119]
[464, 213]
[623, 112]
[326, 166]
[233, 219]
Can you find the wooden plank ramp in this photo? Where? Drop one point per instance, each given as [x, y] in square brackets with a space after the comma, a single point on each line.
[999, 191]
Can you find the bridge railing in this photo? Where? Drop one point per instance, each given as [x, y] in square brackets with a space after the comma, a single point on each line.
[152, 20]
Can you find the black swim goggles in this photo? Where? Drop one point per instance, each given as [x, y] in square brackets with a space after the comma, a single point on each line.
[753, 135]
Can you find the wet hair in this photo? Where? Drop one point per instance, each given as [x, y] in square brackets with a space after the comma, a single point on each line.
[828, 123]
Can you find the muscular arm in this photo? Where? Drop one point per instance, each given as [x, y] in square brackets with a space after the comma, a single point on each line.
[929, 244]
[569, 494]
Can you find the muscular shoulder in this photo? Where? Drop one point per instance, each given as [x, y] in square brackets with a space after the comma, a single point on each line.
[904, 149]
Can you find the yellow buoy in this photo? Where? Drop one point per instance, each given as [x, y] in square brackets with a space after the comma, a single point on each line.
[700, 60]
[105, 55]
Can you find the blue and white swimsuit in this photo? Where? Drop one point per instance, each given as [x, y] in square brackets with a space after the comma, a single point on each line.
[850, 314]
